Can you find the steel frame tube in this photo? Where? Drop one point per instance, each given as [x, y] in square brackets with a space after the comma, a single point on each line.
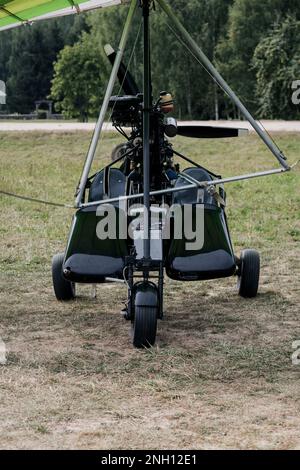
[200, 184]
[98, 128]
[146, 131]
[197, 51]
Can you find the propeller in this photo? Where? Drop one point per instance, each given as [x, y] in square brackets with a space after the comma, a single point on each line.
[125, 78]
[210, 132]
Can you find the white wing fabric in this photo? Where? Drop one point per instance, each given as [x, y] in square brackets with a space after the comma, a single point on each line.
[19, 12]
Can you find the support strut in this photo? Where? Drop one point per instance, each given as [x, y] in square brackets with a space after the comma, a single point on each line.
[146, 130]
[97, 132]
[199, 54]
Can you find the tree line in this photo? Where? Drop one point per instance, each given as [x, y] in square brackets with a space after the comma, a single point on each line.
[254, 44]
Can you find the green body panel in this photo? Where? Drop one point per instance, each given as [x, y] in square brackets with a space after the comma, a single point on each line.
[215, 259]
[215, 235]
[83, 237]
[89, 259]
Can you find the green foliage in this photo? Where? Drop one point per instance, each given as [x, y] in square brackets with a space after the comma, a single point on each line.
[30, 67]
[242, 37]
[76, 86]
[173, 68]
[27, 56]
[249, 22]
[277, 63]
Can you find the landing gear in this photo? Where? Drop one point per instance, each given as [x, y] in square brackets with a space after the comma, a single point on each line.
[118, 151]
[145, 314]
[248, 275]
[144, 327]
[64, 290]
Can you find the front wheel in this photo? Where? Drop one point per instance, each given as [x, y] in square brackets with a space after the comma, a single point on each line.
[144, 324]
[64, 290]
[144, 327]
[249, 273]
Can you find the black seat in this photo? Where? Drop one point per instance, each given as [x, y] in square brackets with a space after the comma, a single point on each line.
[89, 258]
[108, 183]
[93, 268]
[117, 183]
[215, 259]
[197, 195]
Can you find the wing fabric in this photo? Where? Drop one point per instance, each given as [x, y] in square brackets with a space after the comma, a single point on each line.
[15, 13]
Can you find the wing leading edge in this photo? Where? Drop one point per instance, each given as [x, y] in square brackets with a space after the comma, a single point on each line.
[15, 13]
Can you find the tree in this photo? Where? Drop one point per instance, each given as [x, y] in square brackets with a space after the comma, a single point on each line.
[277, 64]
[77, 84]
[27, 56]
[173, 68]
[249, 21]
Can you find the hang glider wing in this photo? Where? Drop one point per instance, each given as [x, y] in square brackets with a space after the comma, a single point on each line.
[15, 13]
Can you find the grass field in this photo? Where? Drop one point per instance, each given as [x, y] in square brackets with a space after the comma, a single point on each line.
[221, 375]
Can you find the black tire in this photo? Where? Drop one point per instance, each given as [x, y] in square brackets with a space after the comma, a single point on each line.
[249, 273]
[144, 327]
[63, 289]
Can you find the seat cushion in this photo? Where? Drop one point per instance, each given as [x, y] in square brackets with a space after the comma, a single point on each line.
[89, 258]
[89, 268]
[215, 264]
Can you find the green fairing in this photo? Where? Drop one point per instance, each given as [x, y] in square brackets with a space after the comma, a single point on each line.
[83, 237]
[214, 260]
[214, 236]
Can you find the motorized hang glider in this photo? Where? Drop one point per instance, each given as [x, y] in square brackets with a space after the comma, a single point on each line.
[150, 178]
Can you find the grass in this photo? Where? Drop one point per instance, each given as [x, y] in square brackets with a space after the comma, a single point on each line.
[221, 374]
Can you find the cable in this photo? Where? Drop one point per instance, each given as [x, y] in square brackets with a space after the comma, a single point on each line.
[39, 201]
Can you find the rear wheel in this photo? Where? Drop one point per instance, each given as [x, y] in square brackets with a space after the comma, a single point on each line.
[118, 151]
[249, 273]
[63, 289]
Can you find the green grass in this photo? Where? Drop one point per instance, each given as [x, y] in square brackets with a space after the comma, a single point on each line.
[221, 373]
[48, 166]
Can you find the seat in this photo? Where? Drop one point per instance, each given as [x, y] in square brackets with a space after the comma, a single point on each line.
[197, 195]
[88, 258]
[86, 268]
[215, 259]
[108, 183]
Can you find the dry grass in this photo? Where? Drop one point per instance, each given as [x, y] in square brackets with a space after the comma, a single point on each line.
[221, 374]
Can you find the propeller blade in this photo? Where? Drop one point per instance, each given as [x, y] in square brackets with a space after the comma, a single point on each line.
[210, 132]
[125, 78]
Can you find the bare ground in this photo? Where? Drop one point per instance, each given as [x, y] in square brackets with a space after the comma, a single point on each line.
[220, 376]
[65, 126]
